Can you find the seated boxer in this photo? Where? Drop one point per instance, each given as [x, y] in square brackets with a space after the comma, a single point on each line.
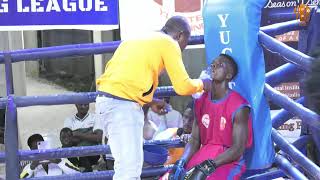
[221, 132]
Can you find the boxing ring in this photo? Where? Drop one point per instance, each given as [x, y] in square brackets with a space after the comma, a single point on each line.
[290, 162]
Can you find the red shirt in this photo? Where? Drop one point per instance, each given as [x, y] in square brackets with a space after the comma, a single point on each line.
[215, 118]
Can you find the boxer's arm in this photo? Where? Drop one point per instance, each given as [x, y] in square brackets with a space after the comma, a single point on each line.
[194, 143]
[239, 138]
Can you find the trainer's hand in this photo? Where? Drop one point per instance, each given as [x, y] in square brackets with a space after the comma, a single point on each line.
[207, 83]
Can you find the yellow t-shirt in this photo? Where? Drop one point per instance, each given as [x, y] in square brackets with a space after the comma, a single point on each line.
[133, 71]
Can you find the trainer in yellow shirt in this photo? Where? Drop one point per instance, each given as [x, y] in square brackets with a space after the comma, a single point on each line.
[133, 71]
[129, 82]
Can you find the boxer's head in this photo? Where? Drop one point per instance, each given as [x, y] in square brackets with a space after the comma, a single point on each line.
[179, 29]
[224, 68]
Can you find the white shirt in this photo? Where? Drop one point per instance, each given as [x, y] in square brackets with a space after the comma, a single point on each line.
[88, 121]
[75, 122]
[173, 119]
[64, 167]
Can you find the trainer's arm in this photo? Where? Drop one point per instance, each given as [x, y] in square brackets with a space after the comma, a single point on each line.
[239, 137]
[178, 75]
[194, 143]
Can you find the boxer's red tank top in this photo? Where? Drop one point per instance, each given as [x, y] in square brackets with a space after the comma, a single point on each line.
[215, 118]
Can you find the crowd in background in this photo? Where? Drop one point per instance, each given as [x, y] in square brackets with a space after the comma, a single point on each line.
[85, 129]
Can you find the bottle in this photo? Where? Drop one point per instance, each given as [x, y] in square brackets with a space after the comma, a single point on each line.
[205, 74]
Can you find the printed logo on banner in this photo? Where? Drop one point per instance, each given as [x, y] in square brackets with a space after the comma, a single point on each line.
[271, 4]
[290, 3]
[302, 12]
[191, 9]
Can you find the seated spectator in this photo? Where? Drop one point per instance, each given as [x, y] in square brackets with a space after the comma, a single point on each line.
[188, 118]
[86, 131]
[150, 129]
[164, 119]
[48, 167]
[184, 133]
[170, 133]
[67, 140]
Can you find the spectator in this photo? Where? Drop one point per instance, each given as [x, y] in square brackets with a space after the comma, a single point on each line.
[46, 168]
[174, 132]
[67, 140]
[188, 118]
[184, 133]
[165, 119]
[86, 131]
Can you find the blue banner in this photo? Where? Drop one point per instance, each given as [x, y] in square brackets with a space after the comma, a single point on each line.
[66, 14]
[232, 27]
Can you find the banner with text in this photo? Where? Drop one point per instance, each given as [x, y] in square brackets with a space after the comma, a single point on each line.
[140, 16]
[291, 129]
[58, 14]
